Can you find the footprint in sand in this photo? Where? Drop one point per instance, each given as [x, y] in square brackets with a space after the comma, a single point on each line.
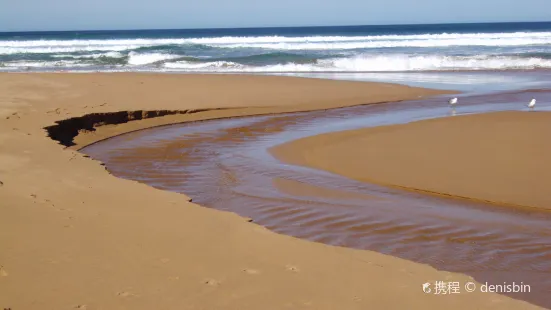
[14, 115]
[125, 294]
[3, 272]
[371, 263]
[211, 282]
[83, 307]
[56, 111]
[292, 268]
[251, 271]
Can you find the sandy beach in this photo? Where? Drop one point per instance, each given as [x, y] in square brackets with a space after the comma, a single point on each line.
[75, 237]
[495, 157]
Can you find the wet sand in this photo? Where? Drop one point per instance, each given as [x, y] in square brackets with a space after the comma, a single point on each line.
[74, 236]
[225, 164]
[502, 158]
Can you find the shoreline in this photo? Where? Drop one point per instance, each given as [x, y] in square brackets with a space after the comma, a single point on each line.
[308, 152]
[280, 73]
[111, 242]
[104, 132]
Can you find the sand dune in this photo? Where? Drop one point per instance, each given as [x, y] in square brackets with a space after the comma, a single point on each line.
[74, 237]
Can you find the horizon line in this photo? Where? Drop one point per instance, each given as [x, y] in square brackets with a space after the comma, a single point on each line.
[268, 27]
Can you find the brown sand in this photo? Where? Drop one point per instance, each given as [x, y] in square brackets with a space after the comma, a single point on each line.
[75, 237]
[500, 157]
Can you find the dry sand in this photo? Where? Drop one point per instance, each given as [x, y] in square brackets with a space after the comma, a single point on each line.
[75, 237]
[500, 157]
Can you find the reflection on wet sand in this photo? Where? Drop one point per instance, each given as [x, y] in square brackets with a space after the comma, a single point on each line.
[225, 164]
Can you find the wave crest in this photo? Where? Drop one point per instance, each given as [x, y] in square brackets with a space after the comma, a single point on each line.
[281, 42]
[369, 63]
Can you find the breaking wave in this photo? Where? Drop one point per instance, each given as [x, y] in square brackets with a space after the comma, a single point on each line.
[277, 53]
[283, 43]
[289, 63]
[396, 63]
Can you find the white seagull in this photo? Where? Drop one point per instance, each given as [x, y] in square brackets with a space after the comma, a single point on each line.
[532, 104]
[452, 101]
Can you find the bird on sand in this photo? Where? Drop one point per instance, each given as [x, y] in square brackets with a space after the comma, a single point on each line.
[452, 102]
[532, 104]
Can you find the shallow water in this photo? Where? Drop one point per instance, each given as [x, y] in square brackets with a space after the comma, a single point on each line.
[224, 164]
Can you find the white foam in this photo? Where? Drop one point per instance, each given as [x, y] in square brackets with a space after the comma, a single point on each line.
[45, 64]
[325, 39]
[285, 43]
[137, 59]
[340, 45]
[91, 56]
[69, 49]
[371, 63]
[216, 66]
[441, 63]
[360, 63]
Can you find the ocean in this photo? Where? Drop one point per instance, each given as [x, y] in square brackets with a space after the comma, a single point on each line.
[399, 48]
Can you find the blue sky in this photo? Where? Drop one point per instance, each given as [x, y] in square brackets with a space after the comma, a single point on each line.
[24, 15]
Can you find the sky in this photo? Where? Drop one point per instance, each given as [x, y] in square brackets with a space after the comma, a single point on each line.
[48, 15]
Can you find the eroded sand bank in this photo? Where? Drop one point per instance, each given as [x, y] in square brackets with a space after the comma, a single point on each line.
[74, 236]
[499, 157]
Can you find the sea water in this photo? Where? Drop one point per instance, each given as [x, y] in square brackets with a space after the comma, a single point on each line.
[399, 48]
